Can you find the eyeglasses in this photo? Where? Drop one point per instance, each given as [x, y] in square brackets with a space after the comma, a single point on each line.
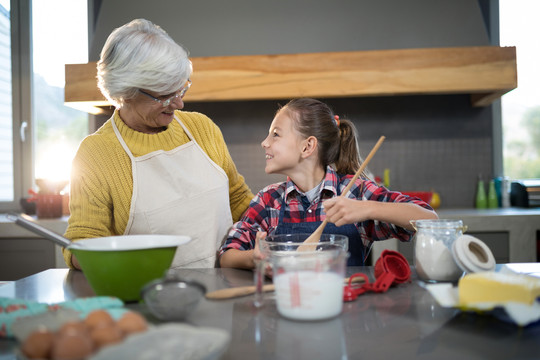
[167, 102]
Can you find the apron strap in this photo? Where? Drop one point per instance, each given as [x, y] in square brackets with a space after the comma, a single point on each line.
[184, 127]
[121, 140]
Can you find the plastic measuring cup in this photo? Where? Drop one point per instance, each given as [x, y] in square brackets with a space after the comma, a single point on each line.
[391, 268]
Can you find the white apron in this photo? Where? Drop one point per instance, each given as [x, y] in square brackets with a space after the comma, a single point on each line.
[180, 192]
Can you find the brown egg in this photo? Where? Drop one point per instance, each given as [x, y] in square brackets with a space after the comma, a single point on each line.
[98, 318]
[106, 335]
[38, 344]
[73, 327]
[132, 322]
[72, 346]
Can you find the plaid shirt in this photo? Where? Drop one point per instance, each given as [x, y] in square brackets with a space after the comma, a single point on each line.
[264, 209]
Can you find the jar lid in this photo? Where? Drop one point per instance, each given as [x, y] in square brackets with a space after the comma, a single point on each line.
[472, 254]
[438, 224]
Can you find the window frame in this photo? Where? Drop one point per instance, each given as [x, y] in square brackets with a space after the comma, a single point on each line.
[21, 79]
[496, 106]
[23, 100]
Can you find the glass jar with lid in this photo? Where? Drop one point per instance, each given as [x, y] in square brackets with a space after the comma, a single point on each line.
[433, 242]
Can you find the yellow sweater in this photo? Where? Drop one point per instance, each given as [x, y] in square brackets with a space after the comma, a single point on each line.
[102, 182]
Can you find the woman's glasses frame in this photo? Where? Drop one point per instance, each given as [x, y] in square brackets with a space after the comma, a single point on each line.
[167, 102]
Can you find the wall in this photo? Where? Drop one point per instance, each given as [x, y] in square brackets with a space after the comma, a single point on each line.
[433, 142]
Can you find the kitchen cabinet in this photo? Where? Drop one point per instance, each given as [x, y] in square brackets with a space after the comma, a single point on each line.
[485, 73]
[21, 257]
[512, 234]
[498, 243]
[23, 253]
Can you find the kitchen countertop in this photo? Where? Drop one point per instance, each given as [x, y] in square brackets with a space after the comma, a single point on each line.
[404, 323]
[10, 229]
[59, 224]
[521, 225]
[510, 211]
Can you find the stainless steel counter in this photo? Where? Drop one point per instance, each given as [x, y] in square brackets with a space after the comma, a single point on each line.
[23, 253]
[522, 226]
[403, 323]
[12, 230]
[512, 233]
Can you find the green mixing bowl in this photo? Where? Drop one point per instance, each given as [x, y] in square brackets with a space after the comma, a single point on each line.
[121, 265]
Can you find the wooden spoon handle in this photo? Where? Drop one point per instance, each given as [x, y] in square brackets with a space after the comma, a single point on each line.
[230, 293]
[313, 238]
[316, 236]
[239, 291]
[363, 165]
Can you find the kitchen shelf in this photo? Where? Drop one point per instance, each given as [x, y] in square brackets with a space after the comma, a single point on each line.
[486, 73]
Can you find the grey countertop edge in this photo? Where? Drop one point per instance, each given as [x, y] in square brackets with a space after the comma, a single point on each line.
[511, 211]
[9, 229]
[59, 225]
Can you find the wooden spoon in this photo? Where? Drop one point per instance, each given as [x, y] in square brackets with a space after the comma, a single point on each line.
[316, 236]
[230, 293]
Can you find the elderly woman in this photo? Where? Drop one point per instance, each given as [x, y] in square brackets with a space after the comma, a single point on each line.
[151, 168]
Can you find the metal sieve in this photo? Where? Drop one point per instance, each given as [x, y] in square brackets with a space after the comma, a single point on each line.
[172, 298]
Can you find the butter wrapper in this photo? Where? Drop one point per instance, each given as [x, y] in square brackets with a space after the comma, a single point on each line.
[520, 314]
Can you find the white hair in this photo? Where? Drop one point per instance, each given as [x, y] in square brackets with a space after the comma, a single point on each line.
[141, 55]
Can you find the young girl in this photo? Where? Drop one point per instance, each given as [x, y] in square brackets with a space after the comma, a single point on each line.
[304, 141]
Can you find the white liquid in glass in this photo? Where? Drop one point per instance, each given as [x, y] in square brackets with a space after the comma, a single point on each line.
[309, 295]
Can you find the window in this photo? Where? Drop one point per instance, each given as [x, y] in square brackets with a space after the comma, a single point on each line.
[6, 123]
[58, 38]
[38, 133]
[519, 27]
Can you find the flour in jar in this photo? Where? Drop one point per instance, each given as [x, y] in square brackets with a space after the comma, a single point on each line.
[434, 260]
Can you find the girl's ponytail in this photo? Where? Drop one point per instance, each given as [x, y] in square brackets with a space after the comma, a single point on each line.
[348, 160]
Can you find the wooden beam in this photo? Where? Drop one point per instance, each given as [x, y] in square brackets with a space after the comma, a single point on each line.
[479, 100]
[81, 91]
[486, 70]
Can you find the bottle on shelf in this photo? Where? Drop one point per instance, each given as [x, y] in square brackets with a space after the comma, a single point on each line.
[481, 198]
[492, 200]
[505, 192]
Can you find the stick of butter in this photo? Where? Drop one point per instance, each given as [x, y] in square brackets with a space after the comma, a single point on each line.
[493, 287]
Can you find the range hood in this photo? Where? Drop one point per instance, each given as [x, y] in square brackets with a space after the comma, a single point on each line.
[486, 73]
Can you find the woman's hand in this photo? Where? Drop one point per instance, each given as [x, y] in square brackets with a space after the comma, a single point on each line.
[75, 262]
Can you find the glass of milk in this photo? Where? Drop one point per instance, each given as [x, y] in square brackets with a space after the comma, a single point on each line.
[308, 283]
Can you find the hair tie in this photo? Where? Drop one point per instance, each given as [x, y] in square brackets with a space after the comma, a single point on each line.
[336, 118]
